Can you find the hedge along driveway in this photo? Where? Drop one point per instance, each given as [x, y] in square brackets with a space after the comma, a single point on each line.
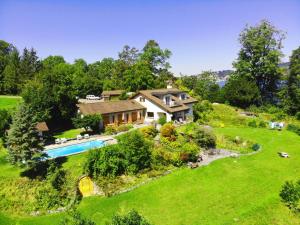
[241, 190]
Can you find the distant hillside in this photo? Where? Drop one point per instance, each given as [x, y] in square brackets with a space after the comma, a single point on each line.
[284, 65]
[223, 74]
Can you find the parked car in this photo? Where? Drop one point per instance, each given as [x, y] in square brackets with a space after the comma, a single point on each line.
[92, 97]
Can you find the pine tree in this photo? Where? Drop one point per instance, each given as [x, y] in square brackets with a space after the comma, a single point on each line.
[10, 74]
[24, 145]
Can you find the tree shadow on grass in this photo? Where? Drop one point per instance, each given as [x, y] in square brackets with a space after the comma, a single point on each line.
[40, 169]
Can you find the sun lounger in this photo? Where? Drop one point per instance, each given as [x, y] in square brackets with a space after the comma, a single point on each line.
[63, 140]
[57, 141]
[86, 136]
[79, 137]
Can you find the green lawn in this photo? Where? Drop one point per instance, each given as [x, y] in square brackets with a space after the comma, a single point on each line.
[228, 191]
[69, 133]
[9, 102]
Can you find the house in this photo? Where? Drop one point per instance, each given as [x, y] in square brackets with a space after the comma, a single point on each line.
[172, 103]
[42, 128]
[111, 95]
[115, 112]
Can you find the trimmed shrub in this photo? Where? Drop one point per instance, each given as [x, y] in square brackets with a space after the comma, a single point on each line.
[189, 152]
[124, 127]
[255, 147]
[252, 123]
[168, 131]
[204, 138]
[132, 218]
[111, 129]
[75, 218]
[290, 195]
[149, 131]
[262, 124]
[162, 120]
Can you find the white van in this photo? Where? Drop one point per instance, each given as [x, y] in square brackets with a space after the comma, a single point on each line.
[92, 97]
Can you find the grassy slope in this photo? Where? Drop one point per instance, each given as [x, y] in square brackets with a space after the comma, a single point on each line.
[229, 191]
[9, 102]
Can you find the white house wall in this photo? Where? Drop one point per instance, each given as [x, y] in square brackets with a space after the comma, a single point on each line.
[152, 108]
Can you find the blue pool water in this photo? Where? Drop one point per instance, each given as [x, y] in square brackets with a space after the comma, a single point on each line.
[74, 149]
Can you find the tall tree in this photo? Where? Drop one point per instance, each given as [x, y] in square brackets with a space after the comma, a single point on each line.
[260, 56]
[23, 142]
[139, 77]
[156, 57]
[241, 91]
[129, 55]
[11, 73]
[291, 98]
[29, 65]
[5, 50]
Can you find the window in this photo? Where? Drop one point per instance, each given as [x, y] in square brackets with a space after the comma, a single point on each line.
[142, 99]
[168, 100]
[111, 118]
[182, 96]
[150, 114]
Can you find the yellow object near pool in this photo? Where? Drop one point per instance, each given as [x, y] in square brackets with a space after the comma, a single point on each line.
[86, 186]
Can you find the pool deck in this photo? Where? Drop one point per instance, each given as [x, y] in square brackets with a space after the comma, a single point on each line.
[106, 138]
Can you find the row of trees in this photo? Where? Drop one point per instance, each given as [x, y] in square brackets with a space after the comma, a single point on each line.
[258, 78]
[51, 85]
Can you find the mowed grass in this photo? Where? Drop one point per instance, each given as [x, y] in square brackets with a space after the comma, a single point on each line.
[9, 102]
[241, 190]
[72, 133]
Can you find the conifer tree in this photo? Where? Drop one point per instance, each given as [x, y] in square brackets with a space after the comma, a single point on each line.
[23, 142]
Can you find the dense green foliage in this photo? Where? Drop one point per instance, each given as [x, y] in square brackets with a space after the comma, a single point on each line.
[259, 58]
[75, 218]
[294, 128]
[23, 142]
[290, 195]
[51, 86]
[130, 155]
[204, 85]
[168, 131]
[131, 218]
[291, 94]
[201, 111]
[241, 91]
[205, 138]
[149, 131]
[108, 161]
[5, 120]
[136, 150]
[88, 122]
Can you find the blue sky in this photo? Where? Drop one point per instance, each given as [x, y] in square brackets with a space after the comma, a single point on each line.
[202, 34]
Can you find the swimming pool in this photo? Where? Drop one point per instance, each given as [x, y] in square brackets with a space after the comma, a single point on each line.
[74, 149]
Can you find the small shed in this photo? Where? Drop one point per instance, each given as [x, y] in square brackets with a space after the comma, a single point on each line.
[42, 128]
